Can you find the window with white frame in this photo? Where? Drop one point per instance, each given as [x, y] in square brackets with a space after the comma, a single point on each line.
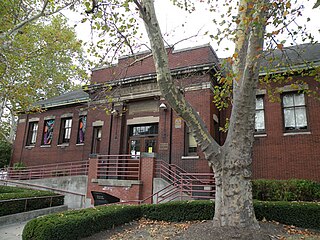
[32, 134]
[191, 144]
[294, 111]
[259, 117]
[65, 130]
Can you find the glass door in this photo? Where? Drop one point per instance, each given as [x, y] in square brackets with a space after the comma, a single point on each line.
[135, 147]
[142, 144]
[150, 145]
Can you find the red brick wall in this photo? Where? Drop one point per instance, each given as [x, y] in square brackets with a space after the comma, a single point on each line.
[277, 156]
[125, 68]
[39, 155]
[201, 100]
[133, 193]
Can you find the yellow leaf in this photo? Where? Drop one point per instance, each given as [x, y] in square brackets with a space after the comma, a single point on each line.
[280, 46]
[288, 5]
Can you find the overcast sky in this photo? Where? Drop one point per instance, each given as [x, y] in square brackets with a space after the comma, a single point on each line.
[177, 24]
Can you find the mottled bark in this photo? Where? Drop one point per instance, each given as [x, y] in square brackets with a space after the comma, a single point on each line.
[231, 162]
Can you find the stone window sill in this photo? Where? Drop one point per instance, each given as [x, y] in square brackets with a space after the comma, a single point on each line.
[63, 145]
[45, 146]
[29, 147]
[189, 157]
[296, 133]
[258, 135]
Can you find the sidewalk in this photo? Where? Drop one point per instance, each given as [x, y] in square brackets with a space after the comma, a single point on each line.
[12, 231]
[11, 226]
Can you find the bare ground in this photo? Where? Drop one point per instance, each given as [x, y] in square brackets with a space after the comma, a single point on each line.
[159, 230]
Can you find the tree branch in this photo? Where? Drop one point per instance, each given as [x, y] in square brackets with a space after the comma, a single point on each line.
[168, 89]
[35, 17]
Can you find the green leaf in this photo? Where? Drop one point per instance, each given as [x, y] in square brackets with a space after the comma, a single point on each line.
[317, 4]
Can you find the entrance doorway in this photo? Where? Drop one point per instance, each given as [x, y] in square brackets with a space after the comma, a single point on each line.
[142, 144]
[143, 138]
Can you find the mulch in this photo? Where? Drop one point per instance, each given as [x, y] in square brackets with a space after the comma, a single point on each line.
[204, 230]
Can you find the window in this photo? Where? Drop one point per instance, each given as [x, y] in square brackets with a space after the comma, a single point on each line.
[96, 140]
[259, 118]
[48, 132]
[65, 130]
[294, 111]
[32, 133]
[138, 130]
[82, 129]
[191, 144]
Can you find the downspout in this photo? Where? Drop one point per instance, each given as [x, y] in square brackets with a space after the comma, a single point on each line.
[110, 130]
[170, 140]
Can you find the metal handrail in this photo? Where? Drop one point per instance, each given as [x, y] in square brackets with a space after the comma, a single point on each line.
[119, 166]
[49, 170]
[30, 198]
[83, 196]
[41, 186]
[183, 181]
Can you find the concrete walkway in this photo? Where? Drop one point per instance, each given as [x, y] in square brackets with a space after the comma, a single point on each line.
[12, 231]
[11, 226]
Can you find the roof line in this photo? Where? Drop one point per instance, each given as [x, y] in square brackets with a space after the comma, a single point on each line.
[294, 68]
[148, 51]
[174, 72]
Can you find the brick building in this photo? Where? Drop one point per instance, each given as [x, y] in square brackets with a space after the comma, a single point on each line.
[122, 112]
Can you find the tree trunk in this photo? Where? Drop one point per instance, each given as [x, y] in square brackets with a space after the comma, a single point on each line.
[233, 201]
[231, 163]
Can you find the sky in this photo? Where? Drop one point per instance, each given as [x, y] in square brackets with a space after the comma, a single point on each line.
[177, 24]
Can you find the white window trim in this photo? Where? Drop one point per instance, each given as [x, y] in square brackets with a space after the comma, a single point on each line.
[189, 157]
[296, 133]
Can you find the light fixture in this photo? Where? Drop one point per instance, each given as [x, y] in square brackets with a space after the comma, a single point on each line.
[163, 106]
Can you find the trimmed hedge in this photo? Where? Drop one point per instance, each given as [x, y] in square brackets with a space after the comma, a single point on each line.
[15, 200]
[83, 223]
[286, 190]
[300, 214]
[7, 189]
[179, 211]
[79, 224]
[7, 192]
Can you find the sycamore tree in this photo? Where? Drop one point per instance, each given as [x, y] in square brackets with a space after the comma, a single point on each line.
[39, 57]
[250, 24]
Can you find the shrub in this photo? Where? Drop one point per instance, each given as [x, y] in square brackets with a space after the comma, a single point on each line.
[179, 211]
[15, 200]
[19, 166]
[79, 224]
[82, 223]
[286, 190]
[7, 192]
[7, 189]
[5, 152]
[300, 214]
